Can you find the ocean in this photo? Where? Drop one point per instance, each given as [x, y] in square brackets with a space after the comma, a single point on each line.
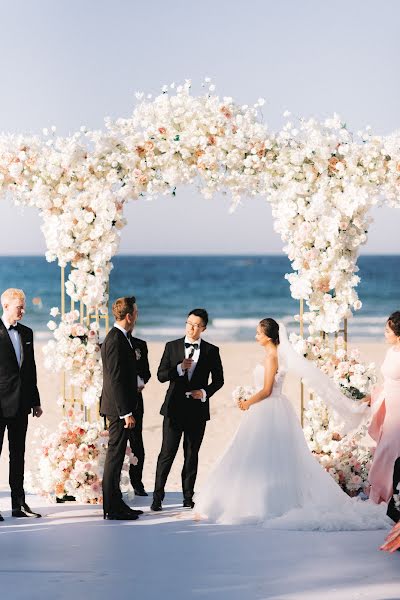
[237, 291]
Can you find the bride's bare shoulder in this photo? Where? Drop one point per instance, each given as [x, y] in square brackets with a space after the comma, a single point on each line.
[271, 358]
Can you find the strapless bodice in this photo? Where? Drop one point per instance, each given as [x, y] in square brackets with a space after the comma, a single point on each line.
[258, 378]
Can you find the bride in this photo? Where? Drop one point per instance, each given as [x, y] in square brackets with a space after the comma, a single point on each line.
[267, 475]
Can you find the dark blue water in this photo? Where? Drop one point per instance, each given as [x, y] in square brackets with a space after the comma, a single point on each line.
[236, 290]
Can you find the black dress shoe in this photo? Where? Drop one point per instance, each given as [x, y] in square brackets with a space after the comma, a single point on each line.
[140, 491]
[156, 506]
[188, 503]
[120, 516]
[1, 517]
[135, 511]
[125, 508]
[25, 511]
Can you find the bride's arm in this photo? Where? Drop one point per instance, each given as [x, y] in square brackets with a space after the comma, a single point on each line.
[271, 368]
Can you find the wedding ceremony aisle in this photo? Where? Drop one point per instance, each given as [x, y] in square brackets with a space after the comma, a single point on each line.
[73, 553]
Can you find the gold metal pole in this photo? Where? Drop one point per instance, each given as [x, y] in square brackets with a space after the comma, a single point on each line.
[301, 381]
[62, 291]
[63, 378]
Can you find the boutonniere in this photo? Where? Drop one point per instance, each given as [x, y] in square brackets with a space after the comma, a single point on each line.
[138, 353]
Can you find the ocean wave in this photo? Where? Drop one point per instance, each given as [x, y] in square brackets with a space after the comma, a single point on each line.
[242, 329]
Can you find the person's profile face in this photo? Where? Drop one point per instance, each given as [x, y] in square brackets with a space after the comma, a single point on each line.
[132, 317]
[390, 335]
[14, 309]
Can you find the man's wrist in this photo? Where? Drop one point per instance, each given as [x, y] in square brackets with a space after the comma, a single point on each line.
[124, 416]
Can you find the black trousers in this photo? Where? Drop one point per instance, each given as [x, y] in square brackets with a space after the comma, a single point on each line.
[117, 442]
[193, 434]
[16, 429]
[136, 444]
[392, 511]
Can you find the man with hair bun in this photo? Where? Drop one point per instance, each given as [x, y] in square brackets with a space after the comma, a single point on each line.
[119, 402]
[19, 394]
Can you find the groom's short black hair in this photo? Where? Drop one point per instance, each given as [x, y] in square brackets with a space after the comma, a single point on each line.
[200, 312]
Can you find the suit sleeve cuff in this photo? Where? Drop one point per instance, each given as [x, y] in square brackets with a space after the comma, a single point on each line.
[128, 415]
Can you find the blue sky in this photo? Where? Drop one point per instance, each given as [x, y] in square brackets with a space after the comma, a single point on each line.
[71, 63]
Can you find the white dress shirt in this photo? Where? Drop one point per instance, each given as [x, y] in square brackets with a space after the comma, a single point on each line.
[195, 358]
[15, 340]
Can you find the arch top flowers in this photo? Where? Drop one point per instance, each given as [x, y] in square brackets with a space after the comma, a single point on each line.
[320, 182]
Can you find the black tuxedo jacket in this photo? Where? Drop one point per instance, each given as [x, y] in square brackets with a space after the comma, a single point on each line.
[18, 385]
[119, 396]
[142, 364]
[176, 405]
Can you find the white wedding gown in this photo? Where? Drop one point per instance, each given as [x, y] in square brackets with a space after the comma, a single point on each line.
[268, 476]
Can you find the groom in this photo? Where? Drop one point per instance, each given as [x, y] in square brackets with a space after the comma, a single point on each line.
[187, 364]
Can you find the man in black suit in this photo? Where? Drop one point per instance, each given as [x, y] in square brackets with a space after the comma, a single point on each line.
[119, 402]
[19, 394]
[136, 434]
[187, 364]
[393, 511]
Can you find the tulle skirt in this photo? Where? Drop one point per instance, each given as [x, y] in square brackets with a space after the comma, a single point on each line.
[268, 476]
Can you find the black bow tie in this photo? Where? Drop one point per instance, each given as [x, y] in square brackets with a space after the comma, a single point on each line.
[13, 327]
[195, 346]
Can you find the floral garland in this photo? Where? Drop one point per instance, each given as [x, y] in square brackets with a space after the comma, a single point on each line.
[346, 458]
[320, 183]
[76, 351]
[71, 461]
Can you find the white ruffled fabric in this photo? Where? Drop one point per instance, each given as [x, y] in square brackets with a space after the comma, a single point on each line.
[268, 476]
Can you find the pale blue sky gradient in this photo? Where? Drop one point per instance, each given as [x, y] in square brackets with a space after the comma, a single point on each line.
[71, 63]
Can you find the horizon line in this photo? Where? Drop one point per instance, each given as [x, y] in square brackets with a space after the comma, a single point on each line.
[199, 254]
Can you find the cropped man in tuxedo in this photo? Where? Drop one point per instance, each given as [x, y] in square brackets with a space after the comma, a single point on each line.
[136, 434]
[119, 402]
[19, 395]
[187, 363]
[393, 511]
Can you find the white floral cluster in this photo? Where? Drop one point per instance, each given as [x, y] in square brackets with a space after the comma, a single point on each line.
[76, 351]
[325, 185]
[242, 392]
[63, 177]
[71, 461]
[354, 378]
[347, 459]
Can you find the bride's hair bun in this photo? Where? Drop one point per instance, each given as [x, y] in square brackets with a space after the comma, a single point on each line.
[394, 322]
[270, 328]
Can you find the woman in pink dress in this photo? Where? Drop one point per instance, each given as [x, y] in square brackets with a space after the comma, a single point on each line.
[385, 424]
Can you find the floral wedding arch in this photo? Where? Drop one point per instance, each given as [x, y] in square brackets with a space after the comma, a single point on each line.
[320, 181]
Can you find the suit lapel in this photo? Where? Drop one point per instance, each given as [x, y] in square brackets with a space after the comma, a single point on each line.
[4, 335]
[199, 366]
[180, 349]
[22, 344]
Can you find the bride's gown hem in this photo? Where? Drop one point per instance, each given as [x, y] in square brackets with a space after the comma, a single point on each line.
[269, 477]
